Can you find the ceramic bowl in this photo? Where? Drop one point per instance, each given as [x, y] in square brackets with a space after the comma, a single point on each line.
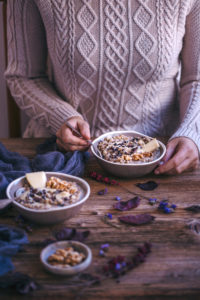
[52, 215]
[68, 271]
[130, 169]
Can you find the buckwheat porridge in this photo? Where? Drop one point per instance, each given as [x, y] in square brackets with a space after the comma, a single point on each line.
[127, 149]
[56, 193]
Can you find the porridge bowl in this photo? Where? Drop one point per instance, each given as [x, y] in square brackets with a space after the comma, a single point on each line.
[128, 153]
[52, 204]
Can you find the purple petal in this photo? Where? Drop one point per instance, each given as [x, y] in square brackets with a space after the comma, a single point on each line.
[81, 236]
[71, 234]
[127, 205]
[147, 186]
[65, 234]
[137, 219]
[193, 208]
[103, 192]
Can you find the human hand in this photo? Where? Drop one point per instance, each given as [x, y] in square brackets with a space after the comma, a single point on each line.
[182, 155]
[66, 138]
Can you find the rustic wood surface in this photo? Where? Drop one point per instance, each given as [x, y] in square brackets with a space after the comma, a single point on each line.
[172, 269]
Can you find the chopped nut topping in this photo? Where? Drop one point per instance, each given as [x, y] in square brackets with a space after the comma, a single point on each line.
[66, 257]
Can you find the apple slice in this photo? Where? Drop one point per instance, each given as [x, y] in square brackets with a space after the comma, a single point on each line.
[151, 146]
[36, 179]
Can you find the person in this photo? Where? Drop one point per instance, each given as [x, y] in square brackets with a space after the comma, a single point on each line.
[109, 65]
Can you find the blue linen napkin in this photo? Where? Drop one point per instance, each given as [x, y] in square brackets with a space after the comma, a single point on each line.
[11, 240]
[48, 158]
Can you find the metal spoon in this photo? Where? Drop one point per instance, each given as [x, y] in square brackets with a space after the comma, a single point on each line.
[76, 132]
[5, 203]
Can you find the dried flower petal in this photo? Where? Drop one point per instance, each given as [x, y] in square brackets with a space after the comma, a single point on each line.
[105, 246]
[147, 186]
[103, 192]
[127, 205]
[109, 215]
[165, 208]
[137, 219]
[118, 266]
[101, 252]
[99, 177]
[71, 234]
[193, 208]
[152, 201]
[21, 282]
[194, 225]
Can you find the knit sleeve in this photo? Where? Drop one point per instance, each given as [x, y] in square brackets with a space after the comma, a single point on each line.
[27, 63]
[189, 96]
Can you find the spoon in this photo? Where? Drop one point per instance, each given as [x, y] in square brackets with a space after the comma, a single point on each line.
[74, 130]
[5, 203]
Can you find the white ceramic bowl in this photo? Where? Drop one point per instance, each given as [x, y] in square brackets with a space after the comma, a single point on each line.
[52, 215]
[129, 169]
[69, 271]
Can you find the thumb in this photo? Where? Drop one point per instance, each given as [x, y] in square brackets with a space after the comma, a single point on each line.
[171, 149]
[84, 129]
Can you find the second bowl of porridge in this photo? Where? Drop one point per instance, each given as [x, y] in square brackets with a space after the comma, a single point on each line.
[128, 153]
[55, 200]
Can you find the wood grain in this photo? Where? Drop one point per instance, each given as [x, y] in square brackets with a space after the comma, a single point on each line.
[171, 271]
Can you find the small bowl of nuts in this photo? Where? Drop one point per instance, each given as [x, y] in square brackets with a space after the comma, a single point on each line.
[66, 257]
[48, 197]
[128, 153]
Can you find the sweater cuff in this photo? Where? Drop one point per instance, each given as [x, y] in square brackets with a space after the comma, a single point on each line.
[60, 116]
[188, 132]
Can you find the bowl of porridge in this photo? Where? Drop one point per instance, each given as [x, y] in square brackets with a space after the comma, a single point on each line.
[128, 153]
[48, 197]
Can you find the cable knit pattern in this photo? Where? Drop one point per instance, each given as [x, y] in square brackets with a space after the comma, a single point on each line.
[115, 62]
[86, 46]
[65, 44]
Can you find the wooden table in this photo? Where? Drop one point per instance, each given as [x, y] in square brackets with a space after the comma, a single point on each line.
[172, 269]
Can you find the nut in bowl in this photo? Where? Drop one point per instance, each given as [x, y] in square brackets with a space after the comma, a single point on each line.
[48, 198]
[66, 257]
[128, 153]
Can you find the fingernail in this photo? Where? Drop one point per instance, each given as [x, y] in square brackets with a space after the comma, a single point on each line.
[157, 172]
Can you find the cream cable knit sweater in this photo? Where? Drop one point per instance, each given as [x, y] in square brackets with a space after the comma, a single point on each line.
[115, 62]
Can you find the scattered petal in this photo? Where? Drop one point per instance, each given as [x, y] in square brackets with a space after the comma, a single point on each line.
[105, 246]
[117, 198]
[101, 252]
[173, 206]
[118, 265]
[147, 186]
[99, 177]
[103, 192]
[94, 212]
[127, 205]
[152, 201]
[194, 225]
[21, 282]
[71, 234]
[109, 215]
[168, 210]
[137, 219]
[193, 208]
